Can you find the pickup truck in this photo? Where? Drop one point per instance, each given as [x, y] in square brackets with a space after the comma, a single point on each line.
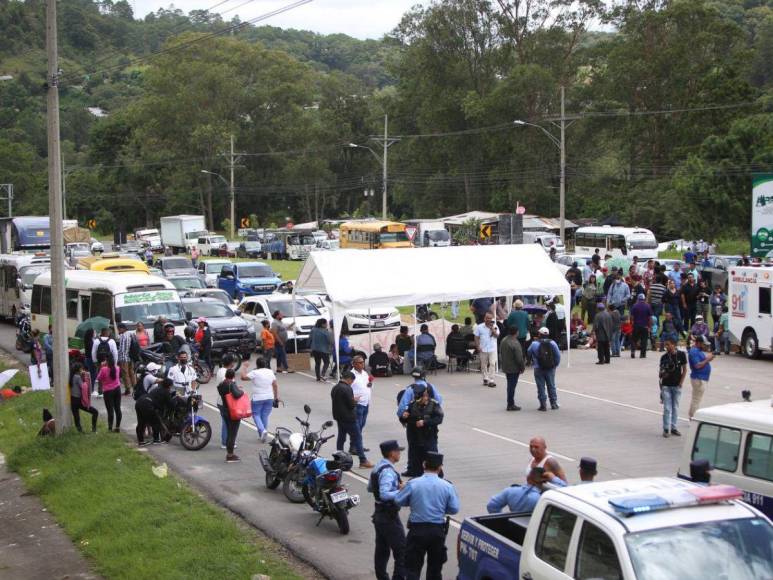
[247, 279]
[627, 529]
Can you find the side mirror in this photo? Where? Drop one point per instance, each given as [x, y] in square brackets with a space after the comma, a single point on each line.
[189, 316]
[238, 313]
[307, 409]
[279, 276]
[327, 424]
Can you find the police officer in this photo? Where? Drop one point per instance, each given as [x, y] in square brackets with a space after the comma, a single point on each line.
[430, 499]
[384, 484]
[421, 419]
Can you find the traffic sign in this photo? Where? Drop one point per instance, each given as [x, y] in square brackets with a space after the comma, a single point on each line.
[410, 231]
[245, 222]
[290, 225]
[485, 231]
[92, 223]
[520, 210]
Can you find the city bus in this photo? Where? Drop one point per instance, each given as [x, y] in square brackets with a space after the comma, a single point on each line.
[616, 241]
[374, 235]
[127, 298]
[14, 281]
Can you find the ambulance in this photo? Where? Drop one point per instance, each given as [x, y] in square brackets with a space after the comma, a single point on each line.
[751, 321]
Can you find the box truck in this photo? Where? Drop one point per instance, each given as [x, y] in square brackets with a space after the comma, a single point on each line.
[181, 232]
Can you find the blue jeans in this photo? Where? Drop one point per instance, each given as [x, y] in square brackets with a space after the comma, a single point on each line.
[362, 416]
[615, 343]
[721, 340]
[260, 412]
[351, 429]
[281, 356]
[546, 378]
[670, 396]
[676, 312]
[223, 425]
[512, 382]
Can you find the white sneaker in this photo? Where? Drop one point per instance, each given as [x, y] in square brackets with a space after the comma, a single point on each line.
[222, 447]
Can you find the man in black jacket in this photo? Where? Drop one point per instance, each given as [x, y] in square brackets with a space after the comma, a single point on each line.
[421, 420]
[149, 408]
[344, 404]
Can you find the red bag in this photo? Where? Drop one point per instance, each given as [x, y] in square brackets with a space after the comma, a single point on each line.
[238, 407]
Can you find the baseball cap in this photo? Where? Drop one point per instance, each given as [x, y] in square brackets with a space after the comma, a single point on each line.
[641, 296]
[152, 367]
[544, 331]
[389, 446]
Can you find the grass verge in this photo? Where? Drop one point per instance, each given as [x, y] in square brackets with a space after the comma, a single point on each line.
[127, 521]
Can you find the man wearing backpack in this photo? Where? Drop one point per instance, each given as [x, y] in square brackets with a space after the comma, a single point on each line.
[545, 358]
[104, 347]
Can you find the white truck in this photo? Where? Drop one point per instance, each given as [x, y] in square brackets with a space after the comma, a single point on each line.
[181, 232]
[430, 234]
[151, 237]
[625, 529]
[749, 297]
[546, 240]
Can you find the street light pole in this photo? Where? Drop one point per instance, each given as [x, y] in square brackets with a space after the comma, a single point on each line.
[384, 176]
[233, 197]
[60, 363]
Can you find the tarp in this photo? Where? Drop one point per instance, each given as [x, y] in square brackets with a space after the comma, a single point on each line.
[363, 279]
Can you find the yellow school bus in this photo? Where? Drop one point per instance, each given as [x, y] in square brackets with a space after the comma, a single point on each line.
[374, 235]
[110, 264]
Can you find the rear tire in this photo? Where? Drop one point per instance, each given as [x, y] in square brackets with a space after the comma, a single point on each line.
[433, 316]
[342, 519]
[292, 487]
[750, 345]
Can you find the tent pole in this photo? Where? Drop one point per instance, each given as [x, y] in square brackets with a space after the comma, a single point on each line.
[415, 324]
[336, 338]
[370, 333]
[295, 326]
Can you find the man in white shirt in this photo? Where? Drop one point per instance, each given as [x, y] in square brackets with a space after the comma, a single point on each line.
[183, 375]
[362, 387]
[486, 335]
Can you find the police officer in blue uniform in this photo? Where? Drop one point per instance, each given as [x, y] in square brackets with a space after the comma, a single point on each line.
[431, 499]
[384, 484]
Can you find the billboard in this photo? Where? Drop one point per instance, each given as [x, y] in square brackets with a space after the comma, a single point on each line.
[762, 215]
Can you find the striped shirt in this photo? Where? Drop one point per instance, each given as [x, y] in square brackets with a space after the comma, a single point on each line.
[656, 293]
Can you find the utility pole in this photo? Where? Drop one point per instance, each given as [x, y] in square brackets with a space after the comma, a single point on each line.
[62, 414]
[562, 190]
[64, 190]
[386, 142]
[8, 188]
[233, 197]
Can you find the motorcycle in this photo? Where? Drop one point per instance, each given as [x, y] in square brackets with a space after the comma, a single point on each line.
[23, 333]
[324, 490]
[193, 429]
[424, 314]
[303, 448]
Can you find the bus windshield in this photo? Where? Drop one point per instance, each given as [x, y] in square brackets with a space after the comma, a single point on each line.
[146, 307]
[28, 275]
[643, 244]
[391, 237]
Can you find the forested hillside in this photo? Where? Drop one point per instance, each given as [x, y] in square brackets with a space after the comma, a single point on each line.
[670, 108]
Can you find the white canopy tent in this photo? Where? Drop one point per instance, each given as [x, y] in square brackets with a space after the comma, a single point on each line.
[363, 279]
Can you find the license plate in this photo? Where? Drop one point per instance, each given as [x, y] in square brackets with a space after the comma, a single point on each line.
[379, 323]
[339, 497]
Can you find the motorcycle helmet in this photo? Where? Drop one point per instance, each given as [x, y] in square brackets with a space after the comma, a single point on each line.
[311, 440]
[418, 373]
[343, 460]
[140, 370]
[296, 442]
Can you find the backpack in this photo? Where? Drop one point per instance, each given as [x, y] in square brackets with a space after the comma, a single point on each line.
[139, 387]
[103, 350]
[546, 358]
[134, 349]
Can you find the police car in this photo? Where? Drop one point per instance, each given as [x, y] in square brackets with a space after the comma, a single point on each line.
[629, 529]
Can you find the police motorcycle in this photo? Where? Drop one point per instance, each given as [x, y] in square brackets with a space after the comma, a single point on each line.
[304, 447]
[324, 490]
[283, 447]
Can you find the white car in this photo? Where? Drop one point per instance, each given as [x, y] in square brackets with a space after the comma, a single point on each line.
[327, 245]
[210, 269]
[258, 308]
[357, 321]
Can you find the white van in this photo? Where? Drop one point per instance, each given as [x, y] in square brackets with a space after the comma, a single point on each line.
[209, 244]
[751, 321]
[14, 285]
[737, 440]
[546, 240]
[127, 298]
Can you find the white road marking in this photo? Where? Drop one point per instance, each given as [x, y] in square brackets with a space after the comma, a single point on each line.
[521, 443]
[602, 400]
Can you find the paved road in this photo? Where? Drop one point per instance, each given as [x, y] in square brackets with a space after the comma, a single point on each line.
[611, 413]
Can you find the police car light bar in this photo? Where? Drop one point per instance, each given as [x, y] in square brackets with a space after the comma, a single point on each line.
[674, 498]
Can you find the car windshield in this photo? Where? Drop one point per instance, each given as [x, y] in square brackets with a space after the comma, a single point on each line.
[255, 271]
[148, 312]
[302, 307]
[390, 237]
[215, 267]
[439, 235]
[740, 549]
[220, 295]
[186, 283]
[177, 264]
[217, 240]
[251, 245]
[301, 240]
[209, 310]
[28, 276]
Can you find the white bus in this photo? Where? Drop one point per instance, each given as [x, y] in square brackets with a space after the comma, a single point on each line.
[616, 241]
[13, 281]
[127, 298]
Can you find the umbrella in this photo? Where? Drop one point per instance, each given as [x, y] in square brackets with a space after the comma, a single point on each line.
[96, 323]
[6, 376]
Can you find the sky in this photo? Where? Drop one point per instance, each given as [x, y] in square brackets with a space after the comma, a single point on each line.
[358, 18]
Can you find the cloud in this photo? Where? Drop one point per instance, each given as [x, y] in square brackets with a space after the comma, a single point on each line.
[358, 18]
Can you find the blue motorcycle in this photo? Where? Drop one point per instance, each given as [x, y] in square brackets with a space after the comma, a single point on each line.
[324, 490]
[193, 429]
